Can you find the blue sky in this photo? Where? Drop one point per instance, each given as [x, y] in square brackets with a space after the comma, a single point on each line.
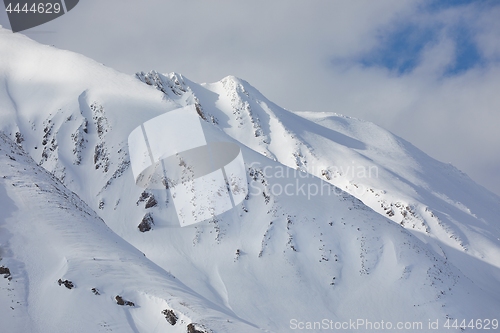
[400, 49]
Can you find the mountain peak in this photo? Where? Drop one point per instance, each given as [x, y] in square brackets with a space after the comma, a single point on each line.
[343, 219]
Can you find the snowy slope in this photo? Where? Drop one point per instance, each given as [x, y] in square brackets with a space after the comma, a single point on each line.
[276, 257]
[438, 203]
[49, 233]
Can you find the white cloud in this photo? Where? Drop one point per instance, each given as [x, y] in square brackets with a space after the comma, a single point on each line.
[303, 55]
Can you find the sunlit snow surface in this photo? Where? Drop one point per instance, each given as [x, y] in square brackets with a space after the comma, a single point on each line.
[170, 152]
[421, 243]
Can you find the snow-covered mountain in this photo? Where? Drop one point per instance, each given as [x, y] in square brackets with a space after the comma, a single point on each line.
[344, 220]
[68, 271]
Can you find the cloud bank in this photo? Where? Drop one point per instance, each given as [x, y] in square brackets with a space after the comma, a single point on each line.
[428, 71]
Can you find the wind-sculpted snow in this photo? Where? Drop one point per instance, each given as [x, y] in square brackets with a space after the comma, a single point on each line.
[51, 238]
[435, 201]
[342, 221]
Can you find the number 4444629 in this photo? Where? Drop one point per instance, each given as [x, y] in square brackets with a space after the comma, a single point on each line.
[36, 8]
[478, 324]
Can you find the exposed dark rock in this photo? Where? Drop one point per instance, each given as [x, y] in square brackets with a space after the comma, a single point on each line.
[95, 291]
[147, 223]
[101, 157]
[199, 110]
[333, 281]
[151, 202]
[122, 167]
[144, 196]
[68, 284]
[5, 271]
[121, 301]
[79, 141]
[19, 138]
[170, 316]
[47, 138]
[174, 83]
[191, 328]
[267, 197]
[100, 120]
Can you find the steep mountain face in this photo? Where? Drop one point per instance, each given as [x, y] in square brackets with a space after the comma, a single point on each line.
[435, 201]
[422, 244]
[68, 272]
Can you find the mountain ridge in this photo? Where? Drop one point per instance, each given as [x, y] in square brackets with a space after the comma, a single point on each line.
[369, 247]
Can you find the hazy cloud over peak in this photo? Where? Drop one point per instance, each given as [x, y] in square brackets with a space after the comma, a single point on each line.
[427, 70]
